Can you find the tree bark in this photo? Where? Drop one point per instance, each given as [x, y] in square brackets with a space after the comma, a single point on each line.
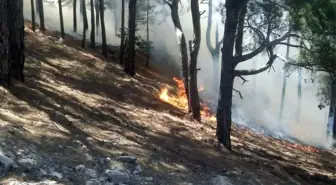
[74, 9]
[331, 125]
[4, 44]
[33, 15]
[183, 46]
[223, 115]
[129, 63]
[102, 23]
[122, 33]
[41, 15]
[194, 96]
[61, 18]
[284, 85]
[16, 38]
[147, 31]
[92, 36]
[97, 14]
[85, 22]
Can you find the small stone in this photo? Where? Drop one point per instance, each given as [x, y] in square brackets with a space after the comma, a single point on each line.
[6, 163]
[138, 168]
[221, 180]
[88, 157]
[91, 173]
[43, 172]
[149, 178]
[56, 174]
[93, 182]
[80, 167]
[117, 176]
[127, 159]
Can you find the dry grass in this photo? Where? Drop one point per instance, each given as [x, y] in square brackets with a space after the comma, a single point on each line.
[71, 95]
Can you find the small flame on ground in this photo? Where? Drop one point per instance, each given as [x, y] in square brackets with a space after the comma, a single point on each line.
[180, 100]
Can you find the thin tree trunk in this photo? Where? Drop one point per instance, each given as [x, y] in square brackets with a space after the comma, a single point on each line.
[284, 85]
[61, 18]
[92, 36]
[74, 9]
[97, 14]
[122, 33]
[194, 97]
[183, 47]
[16, 38]
[41, 14]
[4, 44]
[214, 51]
[85, 22]
[102, 22]
[33, 15]
[331, 125]
[298, 108]
[147, 30]
[129, 63]
[223, 115]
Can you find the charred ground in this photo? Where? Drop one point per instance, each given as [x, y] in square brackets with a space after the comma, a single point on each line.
[78, 108]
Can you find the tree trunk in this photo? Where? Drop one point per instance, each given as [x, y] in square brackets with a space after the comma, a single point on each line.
[33, 15]
[331, 126]
[16, 38]
[85, 22]
[194, 97]
[130, 64]
[61, 18]
[223, 115]
[97, 14]
[4, 44]
[147, 30]
[92, 36]
[102, 22]
[74, 9]
[122, 33]
[214, 51]
[284, 85]
[41, 14]
[298, 108]
[183, 46]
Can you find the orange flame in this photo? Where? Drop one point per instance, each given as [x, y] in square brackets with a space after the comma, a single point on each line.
[180, 99]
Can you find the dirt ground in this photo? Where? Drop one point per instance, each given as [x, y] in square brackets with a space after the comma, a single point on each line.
[72, 95]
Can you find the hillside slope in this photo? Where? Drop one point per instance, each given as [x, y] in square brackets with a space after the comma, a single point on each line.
[78, 115]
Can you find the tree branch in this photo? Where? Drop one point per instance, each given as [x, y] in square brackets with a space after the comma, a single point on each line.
[256, 71]
[264, 45]
[293, 45]
[244, 80]
[240, 94]
[240, 31]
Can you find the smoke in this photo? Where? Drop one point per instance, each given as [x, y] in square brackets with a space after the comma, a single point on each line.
[260, 107]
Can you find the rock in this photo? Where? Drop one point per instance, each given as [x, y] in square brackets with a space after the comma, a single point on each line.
[28, 162]
[45, 182]
[117, 176]
[56, 174]
[88, 157]
[80, 168]
[43, 172]
[221, 180]
[6, 163]
[91, 173]
[93, 182]
[127, 159]
[137, 169]
[149, 178]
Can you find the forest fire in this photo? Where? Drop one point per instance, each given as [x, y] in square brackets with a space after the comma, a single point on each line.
[180, 99]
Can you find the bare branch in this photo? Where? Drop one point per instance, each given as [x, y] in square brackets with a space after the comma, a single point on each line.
[244, 80]
[264, 45]
[293, 45]
[240, 94]
[256, 71]
[202, 12]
